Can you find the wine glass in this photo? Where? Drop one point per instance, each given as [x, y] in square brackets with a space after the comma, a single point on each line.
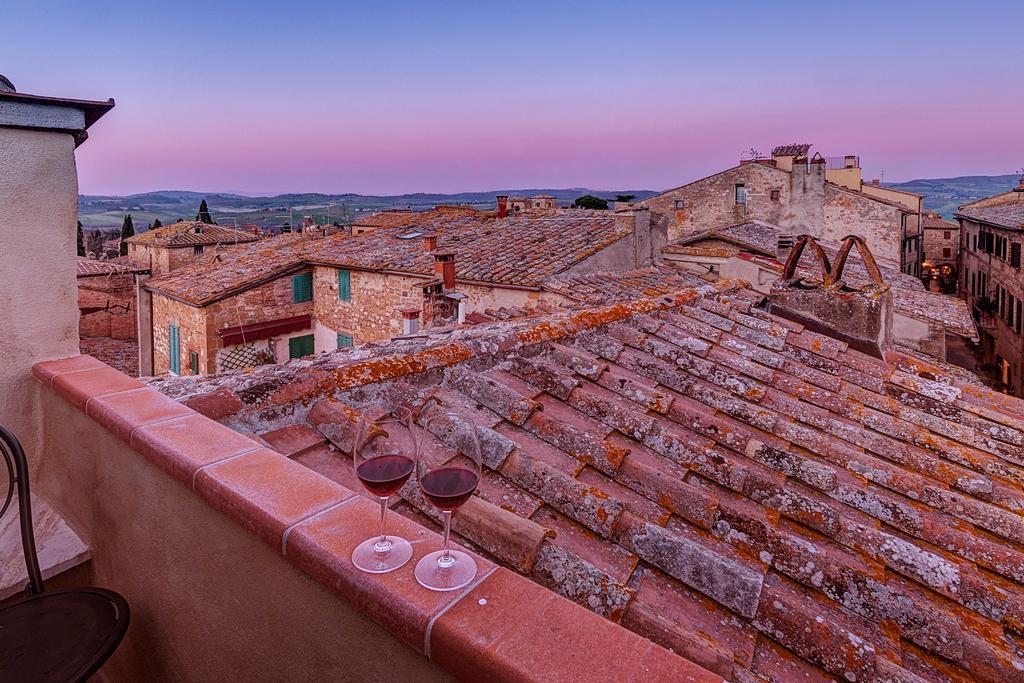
[384, 456]
[447, 480]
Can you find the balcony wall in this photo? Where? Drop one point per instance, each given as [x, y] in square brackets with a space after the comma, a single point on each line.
[210, 601]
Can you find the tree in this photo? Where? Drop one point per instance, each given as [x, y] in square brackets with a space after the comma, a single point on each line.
[156, 224]
[625, 197]
[589, 201]
[204, 214]
[81, 240]
[127, 230]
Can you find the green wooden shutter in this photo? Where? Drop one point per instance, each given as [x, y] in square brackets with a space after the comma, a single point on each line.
[344, 285]
[193, 362]
[300, 346]
[302, 287]
[344, 341]
[174, 348]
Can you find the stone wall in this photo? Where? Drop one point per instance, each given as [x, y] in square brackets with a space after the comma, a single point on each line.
[848, 213]
[192, 328]
[935, 242]
[711, 202]
[117, 291]
[372, 312]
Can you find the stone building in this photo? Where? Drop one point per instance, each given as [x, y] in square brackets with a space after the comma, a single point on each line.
[532, 203]
[268, 302]
[991, 281]
[172, 246]
[802, 195]
[941, 241]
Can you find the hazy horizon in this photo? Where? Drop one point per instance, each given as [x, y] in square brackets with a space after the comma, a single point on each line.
[268, 99]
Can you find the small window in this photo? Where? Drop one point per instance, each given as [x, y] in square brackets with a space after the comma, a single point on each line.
[947, 235]
[302, 288]
[1015, 254]
[680, 204]
[947, 252]
[344, 341]
[344, 285]
[776, 194]
[300, 346]
[193, 362]
[197, 250]
[741, 193]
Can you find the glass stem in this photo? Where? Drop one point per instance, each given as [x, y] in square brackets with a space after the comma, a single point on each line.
[446, 560]
[383, 545]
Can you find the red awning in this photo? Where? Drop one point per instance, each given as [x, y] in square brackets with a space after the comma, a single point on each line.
[271, 328]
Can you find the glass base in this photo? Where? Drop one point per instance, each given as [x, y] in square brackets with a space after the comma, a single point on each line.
[432, 573]
[371, 558]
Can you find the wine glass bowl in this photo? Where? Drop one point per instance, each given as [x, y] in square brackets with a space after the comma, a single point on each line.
[447, 480]
[384, 457]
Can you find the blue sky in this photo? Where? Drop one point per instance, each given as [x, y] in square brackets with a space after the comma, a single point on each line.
[395, 96]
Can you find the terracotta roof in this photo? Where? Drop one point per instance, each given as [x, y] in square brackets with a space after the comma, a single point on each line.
[792, 150]
[933, 221]
[760, 498]
[1010, 215]
[519, 250]
[611, 286]
[191, 233]
[88, 267]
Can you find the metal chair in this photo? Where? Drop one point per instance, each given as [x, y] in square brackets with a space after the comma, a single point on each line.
[62, 635]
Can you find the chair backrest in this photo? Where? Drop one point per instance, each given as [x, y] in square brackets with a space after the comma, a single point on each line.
[17, 473]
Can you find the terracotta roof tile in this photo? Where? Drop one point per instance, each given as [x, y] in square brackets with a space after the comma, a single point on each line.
[522, 249]
[1009, 215]
[192, 233]
[764, 500]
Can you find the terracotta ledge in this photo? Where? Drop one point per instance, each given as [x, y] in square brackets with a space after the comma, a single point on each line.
[503, 626]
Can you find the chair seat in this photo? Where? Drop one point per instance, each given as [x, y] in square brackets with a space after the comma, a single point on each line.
[62, 635]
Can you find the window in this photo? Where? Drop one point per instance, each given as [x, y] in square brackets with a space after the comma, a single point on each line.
[947, 252]
[776, 195]
[947, 235]
[975, 247]
[300, 346]
[974, 283]
[197, 250]
[741, 193]
[344, 341]
[302, 287]
[344, 285]
[174, 348]
[680, 204]
[1017, 317]
[193, 362]
[1015, 254]
[1010, 306]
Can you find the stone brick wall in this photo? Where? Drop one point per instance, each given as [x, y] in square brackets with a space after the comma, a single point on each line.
[935, 242]
[191, 322]
[847, 213]
[711, 202]
[372, 313]
[119, 292]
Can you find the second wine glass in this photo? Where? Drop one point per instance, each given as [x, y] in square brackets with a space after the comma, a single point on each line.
[384, 455]
[448, 480]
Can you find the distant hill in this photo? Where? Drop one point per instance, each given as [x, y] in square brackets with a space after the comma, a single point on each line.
[944, 195]
[99, 211]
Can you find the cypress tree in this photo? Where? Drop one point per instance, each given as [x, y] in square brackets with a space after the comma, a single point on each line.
[156, 224]
[81, 240]
[204, 214]
[127, 230]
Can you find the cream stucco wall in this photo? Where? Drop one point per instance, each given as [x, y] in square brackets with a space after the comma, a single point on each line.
[38, 213]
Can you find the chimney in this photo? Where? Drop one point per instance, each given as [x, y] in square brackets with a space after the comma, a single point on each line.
[860, 317]
[783, 246]
[429, 243]
[502, 205]
[410, 320]
[444, 265]
[851, 161]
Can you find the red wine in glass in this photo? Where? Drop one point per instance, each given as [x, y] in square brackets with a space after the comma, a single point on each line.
[449, 487]
[384, 475]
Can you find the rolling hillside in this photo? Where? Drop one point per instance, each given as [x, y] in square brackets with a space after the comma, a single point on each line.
[946, 194]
